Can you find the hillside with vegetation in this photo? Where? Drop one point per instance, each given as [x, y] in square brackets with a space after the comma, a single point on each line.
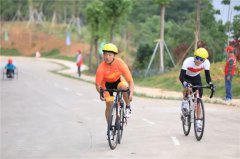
[170, 81]
[27, 40]
[135, 26]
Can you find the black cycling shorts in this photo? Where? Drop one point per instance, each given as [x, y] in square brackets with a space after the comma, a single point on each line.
[195, 81]
[112, 85]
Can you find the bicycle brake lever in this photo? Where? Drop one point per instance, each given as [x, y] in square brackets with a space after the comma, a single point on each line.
[213, 89]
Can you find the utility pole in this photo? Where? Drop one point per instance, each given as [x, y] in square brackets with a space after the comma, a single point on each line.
[229, 21]
[162, 7]
[197, 32]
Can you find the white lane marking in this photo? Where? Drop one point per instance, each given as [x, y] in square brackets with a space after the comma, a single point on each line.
[148, 121]
[79, 94]
[175, 140]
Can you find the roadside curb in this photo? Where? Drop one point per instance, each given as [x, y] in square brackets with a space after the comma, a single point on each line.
[145, 91]
[70, 70]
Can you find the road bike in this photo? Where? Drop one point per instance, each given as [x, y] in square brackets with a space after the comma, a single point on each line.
[116, 118]
[194, 111]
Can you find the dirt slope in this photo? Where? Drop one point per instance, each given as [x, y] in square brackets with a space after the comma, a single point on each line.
[27, 41]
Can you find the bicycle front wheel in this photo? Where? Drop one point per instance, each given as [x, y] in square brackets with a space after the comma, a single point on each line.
[186, 124]
[199, 119]
[112, 127]
[121, 123]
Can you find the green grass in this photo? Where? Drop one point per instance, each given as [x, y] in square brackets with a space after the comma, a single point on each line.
[9, 52]
[167, 81]
[55, 54]
[170, 81]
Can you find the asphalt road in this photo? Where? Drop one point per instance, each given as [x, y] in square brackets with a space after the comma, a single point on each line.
[47, 116]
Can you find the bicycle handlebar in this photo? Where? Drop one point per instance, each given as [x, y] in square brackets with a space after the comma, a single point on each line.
[113, 90]
[213, 89]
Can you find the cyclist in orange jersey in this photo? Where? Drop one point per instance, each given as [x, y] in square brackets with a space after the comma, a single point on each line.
[113, 73]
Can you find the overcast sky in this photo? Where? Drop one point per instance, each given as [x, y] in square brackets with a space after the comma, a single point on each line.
[224, 9]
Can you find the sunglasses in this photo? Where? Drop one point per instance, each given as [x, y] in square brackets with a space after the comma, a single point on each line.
[199, 58]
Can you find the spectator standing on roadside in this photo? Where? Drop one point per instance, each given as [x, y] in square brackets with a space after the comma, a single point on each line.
[229, 72]
[79, 61]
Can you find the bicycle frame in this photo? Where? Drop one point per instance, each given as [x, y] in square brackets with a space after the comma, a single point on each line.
[195, 113]
[115, 126]
[192, 99]
[194, 96]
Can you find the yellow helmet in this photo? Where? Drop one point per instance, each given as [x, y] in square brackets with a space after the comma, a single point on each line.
[110, 48]
[201, 52]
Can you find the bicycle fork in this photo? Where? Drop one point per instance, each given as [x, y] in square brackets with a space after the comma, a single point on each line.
[122, 108]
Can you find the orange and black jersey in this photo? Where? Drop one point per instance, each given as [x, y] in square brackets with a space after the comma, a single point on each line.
[111, 73]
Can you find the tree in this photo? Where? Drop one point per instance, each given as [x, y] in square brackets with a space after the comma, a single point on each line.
[143, 56]
[163, 4]
[212, 32]
[227, 2]
[116, 12]
[95, 18]
[178, 10]
[197, 31]
[236, 24]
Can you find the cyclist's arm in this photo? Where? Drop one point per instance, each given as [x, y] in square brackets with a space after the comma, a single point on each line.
[128, 76]
[207, 71]
[98, 88]
[208, 76]
[182, 76]
[99, 78]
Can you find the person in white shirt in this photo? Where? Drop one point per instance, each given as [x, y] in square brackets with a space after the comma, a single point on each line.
[190, 74]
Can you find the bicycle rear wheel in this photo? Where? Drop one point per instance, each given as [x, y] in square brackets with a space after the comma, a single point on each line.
[113, 127]
[199, 119]
[121, 122]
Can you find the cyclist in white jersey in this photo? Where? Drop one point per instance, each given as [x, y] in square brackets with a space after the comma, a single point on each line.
[190, 72]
